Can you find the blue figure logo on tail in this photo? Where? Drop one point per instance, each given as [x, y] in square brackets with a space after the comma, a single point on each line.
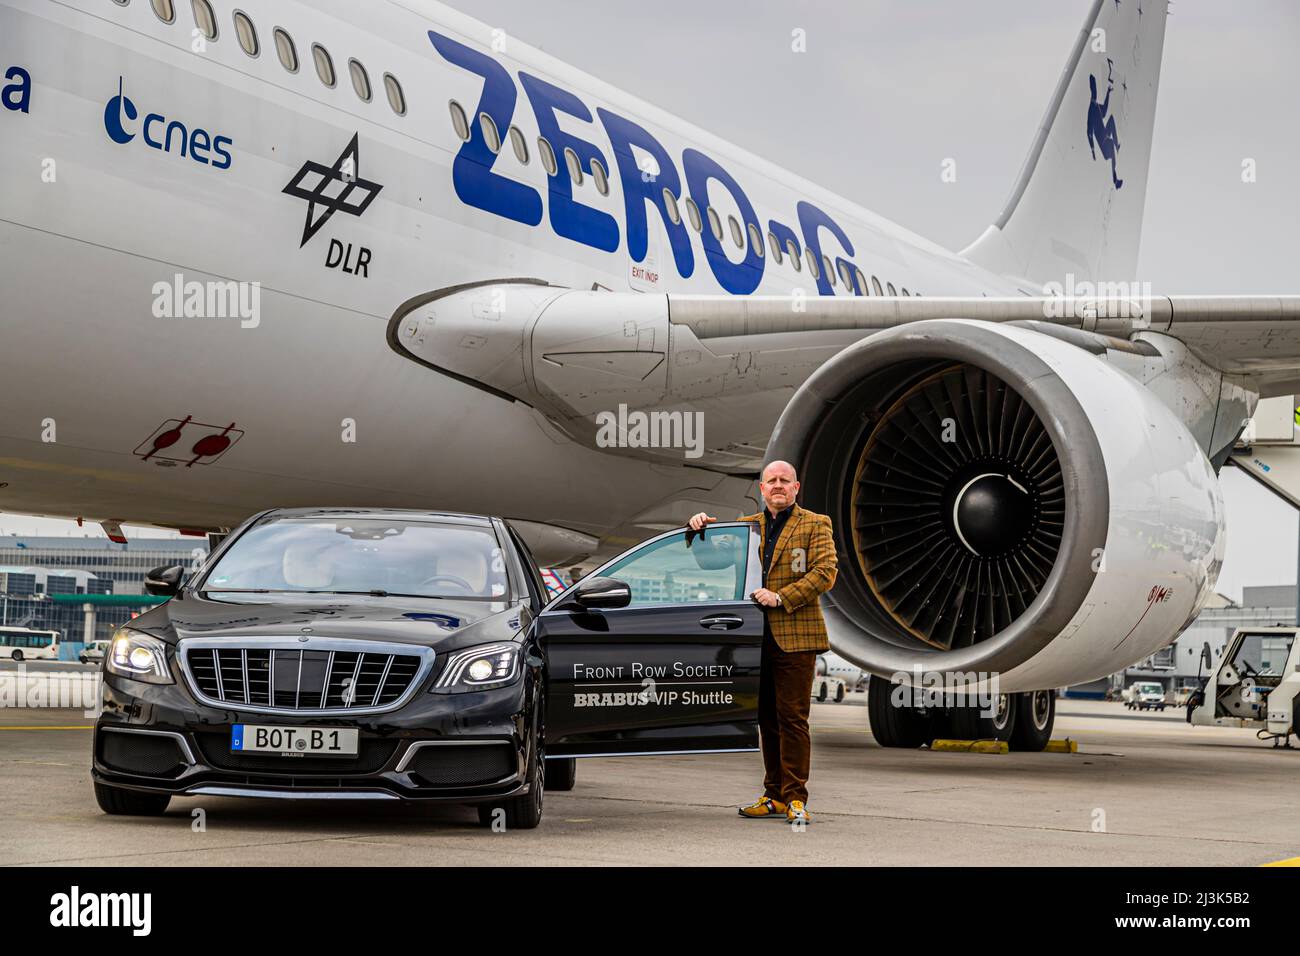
[1101, 127]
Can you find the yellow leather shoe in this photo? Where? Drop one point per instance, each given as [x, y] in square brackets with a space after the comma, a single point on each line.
[797, 813]
[764, 808]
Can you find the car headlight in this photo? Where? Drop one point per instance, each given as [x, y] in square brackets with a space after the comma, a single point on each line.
[476, 668]
[138, 656]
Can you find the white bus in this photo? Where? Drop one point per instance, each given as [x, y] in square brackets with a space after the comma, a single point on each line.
[22, 643]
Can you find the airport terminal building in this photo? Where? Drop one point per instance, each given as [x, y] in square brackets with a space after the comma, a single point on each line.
[68, 584]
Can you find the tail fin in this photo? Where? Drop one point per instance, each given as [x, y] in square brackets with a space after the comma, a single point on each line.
[1077, 205]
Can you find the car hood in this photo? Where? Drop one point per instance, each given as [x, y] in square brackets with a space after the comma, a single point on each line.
[443, 624]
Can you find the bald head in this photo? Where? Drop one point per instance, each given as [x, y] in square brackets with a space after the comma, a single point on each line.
[779, 485]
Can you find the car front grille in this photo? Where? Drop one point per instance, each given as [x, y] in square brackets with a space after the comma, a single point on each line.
[321, 676]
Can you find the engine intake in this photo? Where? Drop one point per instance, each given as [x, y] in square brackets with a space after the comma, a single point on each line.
[968, 490]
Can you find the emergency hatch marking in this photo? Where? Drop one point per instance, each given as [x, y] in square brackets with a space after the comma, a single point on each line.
[210, 446]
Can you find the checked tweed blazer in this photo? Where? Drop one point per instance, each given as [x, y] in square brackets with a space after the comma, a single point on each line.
[803, 568]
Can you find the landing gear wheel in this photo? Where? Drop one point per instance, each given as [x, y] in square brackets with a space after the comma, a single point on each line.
[893, 725]
[969, 722]
[561, 775]
[1035, 715]
[821, 695]
[839, 694]
[130, 803]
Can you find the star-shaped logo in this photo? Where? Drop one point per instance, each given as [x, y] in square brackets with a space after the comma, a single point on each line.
[331, 189]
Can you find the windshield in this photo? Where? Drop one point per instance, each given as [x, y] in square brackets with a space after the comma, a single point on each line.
[364, 556]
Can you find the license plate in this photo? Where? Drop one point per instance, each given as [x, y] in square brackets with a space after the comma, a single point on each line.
[294, 741]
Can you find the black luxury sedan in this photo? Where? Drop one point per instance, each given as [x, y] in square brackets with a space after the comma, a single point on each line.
[410, 655]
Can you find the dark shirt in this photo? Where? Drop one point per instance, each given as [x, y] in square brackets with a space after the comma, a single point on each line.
[771, 533]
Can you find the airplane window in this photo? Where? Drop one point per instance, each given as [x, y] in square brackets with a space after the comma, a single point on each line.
[846, 275]
[490, 134]
[812, 264]
[284, 48]
[520, 144]
[246, 32]
[361, 81]
[396, 99]
[794, 255]
[756, 239]
[693, 213]
[715, 224]
[166, 12]
[830, 270]
[204, 18]
[876, 283]
[548, 156]
[862, 282]
[737, 234]
[598, 174]
[775, 247]
[670, 202]
[575, 168]
[325, 70]
[458, 121]
[890, 287]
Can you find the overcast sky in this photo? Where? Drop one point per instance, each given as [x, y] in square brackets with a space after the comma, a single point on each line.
[887, 90]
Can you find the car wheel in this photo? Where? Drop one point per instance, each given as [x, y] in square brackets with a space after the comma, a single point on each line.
[83, 660]
[18, 656]
[523, 812]
[130, 803]
[1035, 715]
[561, 774]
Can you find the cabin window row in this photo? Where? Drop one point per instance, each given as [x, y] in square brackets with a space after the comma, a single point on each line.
[205, 21]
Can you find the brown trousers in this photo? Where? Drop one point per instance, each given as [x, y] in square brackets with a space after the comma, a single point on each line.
[784, 698]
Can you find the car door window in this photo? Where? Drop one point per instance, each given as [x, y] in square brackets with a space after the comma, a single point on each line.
[670, 570]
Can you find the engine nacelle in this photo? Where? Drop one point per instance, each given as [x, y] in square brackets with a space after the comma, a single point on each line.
[1004, 503]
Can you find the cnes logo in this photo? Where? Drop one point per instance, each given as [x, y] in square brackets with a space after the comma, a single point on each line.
[75, 909]
[160, 133]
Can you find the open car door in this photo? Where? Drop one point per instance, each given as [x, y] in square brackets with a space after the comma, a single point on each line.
[658, 650]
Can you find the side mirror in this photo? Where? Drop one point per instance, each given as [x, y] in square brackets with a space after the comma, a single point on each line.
[164, 581]
[594, 593]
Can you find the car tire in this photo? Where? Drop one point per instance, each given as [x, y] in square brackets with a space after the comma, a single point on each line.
[524, 812]
[130, 803]
[17, 656]
[1035, 715]
[893, 725]
[82, 659]
[969, 723]
[561, 775]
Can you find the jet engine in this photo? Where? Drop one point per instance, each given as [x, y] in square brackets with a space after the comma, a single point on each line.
[1005, 503]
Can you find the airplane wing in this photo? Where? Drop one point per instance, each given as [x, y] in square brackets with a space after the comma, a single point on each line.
[1257, 336]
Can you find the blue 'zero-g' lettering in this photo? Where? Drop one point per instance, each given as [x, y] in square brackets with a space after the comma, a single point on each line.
[471, 171]
[640, 187]
[738, 278]
[569, 219]
[811, 219]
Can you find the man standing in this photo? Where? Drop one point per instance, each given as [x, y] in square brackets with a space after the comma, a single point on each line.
[798, 567]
